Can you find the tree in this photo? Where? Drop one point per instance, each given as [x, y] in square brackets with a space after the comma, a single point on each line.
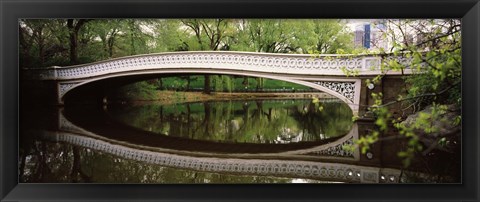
[332, 36]
[108, 31]
[208, 34]
[432, 95]
[42, 43]
[169, 35]
[274, 36]
[30, 32]
[74, 27]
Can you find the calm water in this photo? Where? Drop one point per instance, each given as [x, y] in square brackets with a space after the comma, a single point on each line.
[246, 141]
[260, 121]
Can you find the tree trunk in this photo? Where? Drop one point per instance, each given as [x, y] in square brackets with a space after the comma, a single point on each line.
[207, 117]
[76, 165]
[132, 37]
[73, 30]
[41, 51]
[73, 42]
[105, 46]
[188, 83]
[207, 90]
[259, 83]
[111, 42]
[245, 82]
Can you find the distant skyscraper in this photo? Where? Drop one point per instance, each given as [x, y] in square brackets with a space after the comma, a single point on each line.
[366, 41]
[362, 36]
[370, 34]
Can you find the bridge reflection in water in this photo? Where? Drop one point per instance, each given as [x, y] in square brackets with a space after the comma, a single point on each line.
[319, 160]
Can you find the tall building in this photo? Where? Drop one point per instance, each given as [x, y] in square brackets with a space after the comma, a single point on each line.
[368, 34]
[387, 35]
[366, 38]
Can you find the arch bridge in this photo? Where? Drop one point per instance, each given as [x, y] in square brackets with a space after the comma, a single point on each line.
[326, 73]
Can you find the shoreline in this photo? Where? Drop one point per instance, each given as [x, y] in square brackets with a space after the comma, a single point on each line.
[167, 97]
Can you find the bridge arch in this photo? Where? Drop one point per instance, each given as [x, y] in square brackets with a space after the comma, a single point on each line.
[66, 87]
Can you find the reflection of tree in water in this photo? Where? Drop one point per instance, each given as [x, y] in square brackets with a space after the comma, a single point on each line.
[51, 162]
[60, 162]
[208, 123]
[331, 120]
[241, 121]
[256, 124]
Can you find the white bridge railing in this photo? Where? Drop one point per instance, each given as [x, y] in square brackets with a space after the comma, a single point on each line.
[300, 64]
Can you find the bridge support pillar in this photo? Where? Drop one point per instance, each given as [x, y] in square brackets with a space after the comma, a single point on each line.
[44, 92]
[366, 98]
[394, 86]
[390, 87]
[59, 100]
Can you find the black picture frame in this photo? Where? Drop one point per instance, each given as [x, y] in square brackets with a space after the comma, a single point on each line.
[11, 11]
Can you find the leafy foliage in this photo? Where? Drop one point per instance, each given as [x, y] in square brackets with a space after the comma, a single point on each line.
[435, 57]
